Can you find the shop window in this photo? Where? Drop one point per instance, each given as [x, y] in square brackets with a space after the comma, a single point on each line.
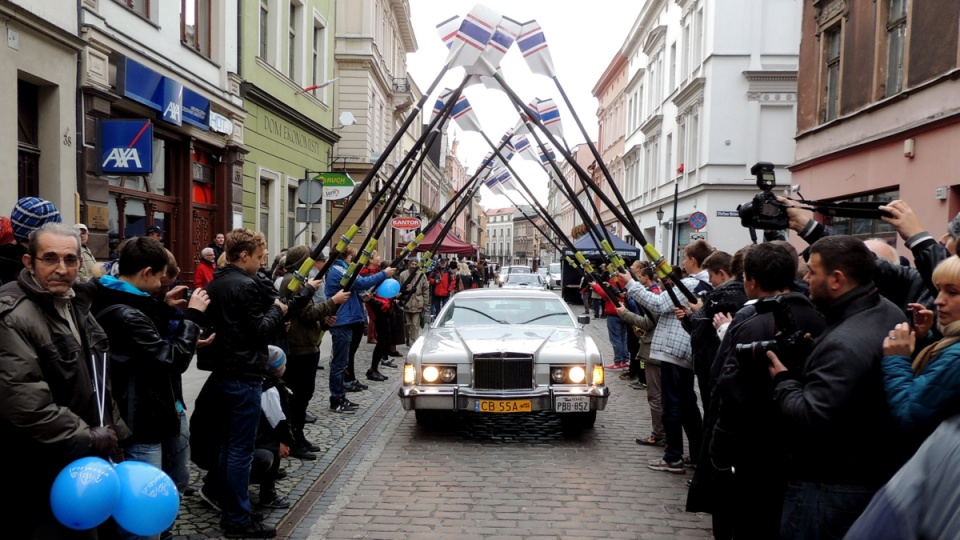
[862, 227]
[195, 17]
[202, 170]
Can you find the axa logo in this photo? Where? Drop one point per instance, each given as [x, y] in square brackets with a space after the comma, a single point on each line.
[121, 158]
[173, 112]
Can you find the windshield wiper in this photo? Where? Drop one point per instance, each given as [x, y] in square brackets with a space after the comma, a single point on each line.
[542, 316]
[482, 313]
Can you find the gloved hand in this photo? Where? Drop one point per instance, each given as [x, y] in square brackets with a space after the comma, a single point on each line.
[103, 439]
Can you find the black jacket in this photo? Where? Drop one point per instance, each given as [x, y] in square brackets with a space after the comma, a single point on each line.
[729, 297]
[146, 362]
[927, 254]
[11, 262]
[239, 315]
[835, 407]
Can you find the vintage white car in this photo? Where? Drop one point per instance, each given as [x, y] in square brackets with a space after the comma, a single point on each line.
[505, 351]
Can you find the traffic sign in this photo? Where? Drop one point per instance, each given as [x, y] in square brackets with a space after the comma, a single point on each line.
[698, 220]
[315, 215]
[310, 192]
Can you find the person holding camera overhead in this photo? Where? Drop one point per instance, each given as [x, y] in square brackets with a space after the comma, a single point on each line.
[747, 435]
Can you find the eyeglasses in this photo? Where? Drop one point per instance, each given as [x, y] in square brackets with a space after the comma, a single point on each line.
[70, 261]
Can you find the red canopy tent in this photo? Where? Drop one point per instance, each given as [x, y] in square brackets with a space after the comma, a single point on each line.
[450, 244]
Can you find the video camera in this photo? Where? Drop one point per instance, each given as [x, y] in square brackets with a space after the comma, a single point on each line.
[764, 211]
[789, 342]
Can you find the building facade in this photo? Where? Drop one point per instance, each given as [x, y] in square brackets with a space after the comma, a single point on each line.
[711, 91]
[611, 118]
[879, 110]
[168, 71]
[499, 235]
[286, 58]
[38, 87]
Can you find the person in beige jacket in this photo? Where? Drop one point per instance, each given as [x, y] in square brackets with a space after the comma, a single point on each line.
[416, 297]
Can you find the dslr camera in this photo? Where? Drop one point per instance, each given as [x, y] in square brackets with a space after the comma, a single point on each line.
[764, 212]
[788, 343]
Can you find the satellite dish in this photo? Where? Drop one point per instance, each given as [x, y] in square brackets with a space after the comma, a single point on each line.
[347, 118]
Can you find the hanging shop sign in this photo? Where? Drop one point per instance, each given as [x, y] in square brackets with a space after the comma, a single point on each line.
[406, 223]
[125, 146]
[175, 102]
[336, 186]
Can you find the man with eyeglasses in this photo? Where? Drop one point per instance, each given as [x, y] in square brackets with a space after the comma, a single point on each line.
[53, 379]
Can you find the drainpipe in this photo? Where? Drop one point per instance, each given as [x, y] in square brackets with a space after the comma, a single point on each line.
[78, 130]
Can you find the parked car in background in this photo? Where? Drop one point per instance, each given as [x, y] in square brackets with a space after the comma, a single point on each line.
[544, 272]
[515, 269]
[525, 281]
[497, 351]
[555, 276]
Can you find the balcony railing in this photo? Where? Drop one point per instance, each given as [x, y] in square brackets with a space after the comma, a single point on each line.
[401, 85]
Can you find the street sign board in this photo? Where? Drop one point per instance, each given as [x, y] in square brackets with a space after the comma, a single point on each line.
[727, 213]
[698, 220]
[315, 216]
[694, 236]
[310, 192]
[336, 186]
[405, 223]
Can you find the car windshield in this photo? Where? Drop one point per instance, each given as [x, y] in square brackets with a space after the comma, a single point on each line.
[523, 279]
[519, 269]
[464, 312]
[554, 268]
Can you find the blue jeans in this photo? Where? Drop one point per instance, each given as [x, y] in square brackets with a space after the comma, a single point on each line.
[680, 412]
[176, 455]
[241, 406]
[146, 453]
[817, 511]
[341, 351]
[597, 305]
[617, 332]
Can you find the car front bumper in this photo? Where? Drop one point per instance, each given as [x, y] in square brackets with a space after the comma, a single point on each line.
[457, 398]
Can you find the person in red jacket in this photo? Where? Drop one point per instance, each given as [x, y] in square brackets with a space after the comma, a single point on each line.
[204, 272]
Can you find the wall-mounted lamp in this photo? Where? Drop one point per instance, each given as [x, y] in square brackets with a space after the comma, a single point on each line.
[659, 215]
[908, 147]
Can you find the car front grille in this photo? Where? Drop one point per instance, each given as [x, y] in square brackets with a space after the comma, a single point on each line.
[502, 371]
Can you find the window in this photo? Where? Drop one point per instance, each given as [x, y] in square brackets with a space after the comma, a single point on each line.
[896, 39]
[319, 64]
[264, 27]
[831, 54]
[140, 7]
[669, 159]
[687, 45]
[698, 41]
[673, 67]
[291, 215]
[693, 159]
[264, 205]
[195, 25]
[292, 42]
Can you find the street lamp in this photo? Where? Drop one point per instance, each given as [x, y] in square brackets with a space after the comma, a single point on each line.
[659, 215]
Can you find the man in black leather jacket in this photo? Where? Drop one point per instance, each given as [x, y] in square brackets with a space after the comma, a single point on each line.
[238, 359]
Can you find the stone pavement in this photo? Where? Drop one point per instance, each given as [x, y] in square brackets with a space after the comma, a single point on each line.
[380, 475]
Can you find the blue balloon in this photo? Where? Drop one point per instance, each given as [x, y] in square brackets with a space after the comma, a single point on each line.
[85, 493]
[389, 288]
[149, 500]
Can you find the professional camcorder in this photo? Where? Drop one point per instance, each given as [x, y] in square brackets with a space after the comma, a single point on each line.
[788, 343]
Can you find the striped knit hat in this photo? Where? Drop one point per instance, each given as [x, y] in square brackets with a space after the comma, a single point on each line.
[31, 213]
[276, 358]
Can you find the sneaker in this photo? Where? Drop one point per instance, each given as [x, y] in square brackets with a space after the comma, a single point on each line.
[675, 467]
[275, 502]
[253, 529]
[210, 501]
[637, 385]
[388, 363]
[349, 403]
[310, 419]
[650, 440]
[626, 377]
[342, 407]
[614, 366]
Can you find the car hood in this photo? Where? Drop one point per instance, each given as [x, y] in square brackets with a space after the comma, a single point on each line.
[459, 344]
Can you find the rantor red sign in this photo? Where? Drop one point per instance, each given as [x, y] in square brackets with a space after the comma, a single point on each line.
[406, 223]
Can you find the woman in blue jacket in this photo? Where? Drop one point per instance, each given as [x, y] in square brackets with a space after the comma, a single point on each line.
[925, 390]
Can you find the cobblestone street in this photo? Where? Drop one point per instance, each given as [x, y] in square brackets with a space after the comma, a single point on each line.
[380, 475]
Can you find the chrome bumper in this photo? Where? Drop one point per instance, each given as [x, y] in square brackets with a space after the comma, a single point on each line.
[455, 398]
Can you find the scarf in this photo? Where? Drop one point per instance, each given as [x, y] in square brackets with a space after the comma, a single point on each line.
[951, 335]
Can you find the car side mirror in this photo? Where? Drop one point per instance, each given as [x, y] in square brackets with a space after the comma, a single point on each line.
[583, 319]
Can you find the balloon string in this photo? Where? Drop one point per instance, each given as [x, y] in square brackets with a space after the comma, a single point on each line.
[103, 388]
[98, 389]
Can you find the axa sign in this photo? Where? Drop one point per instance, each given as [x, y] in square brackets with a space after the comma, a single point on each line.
[125, 146]
[406, 223]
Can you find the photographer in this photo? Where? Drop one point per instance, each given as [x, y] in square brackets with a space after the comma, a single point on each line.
[834, 407]
[927, 252]
[745, 433]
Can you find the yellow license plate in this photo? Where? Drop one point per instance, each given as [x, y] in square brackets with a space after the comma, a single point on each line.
[504, 406]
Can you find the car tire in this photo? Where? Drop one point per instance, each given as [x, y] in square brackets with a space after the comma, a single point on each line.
[578, 421]
[427, 418]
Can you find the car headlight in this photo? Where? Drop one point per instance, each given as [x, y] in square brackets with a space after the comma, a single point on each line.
[430, 374]
[439, 374]
[577, 374]
[557, 375]
[448, 374]
[568, 374]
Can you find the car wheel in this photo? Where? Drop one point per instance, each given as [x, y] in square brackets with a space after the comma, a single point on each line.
[428, 418]
[578, 421]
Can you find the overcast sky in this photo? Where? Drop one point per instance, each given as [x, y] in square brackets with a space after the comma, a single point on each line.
[583, 38]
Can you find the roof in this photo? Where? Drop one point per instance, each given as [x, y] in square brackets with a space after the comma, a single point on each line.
[500, 211]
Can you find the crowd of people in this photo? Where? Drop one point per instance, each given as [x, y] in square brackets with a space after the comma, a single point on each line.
[94, 351]
[819, 376]
[795, 387]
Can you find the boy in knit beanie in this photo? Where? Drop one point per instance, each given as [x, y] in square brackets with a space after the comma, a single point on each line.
[29, 214]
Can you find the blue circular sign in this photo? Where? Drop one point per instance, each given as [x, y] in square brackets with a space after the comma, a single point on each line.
[698, 220]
